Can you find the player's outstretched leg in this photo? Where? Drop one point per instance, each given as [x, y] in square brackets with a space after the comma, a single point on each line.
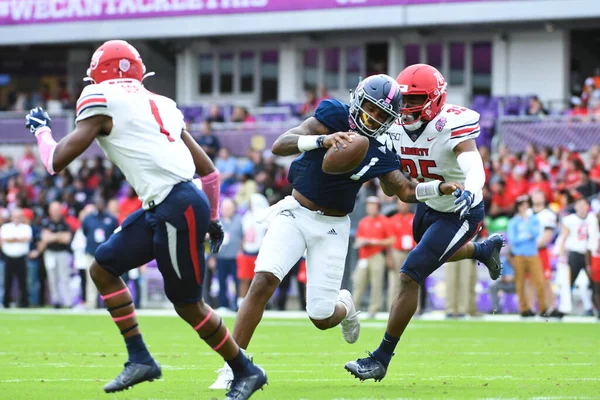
[247, 377]
[486, 252]
[140, 366]
[248, 317]
[403, 308]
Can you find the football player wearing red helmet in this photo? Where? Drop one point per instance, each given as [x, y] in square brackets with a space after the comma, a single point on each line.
[436, 142]
[423, 95]
[116, 59]
[144, 134]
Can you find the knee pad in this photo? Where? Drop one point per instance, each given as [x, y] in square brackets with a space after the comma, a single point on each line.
[320, 308]
[420, 264]
[103, 257]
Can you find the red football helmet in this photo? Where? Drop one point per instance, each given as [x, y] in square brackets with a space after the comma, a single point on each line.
[421, 80]
[116, 59]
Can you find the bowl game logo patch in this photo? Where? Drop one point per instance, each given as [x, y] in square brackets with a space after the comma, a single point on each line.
[439, 125]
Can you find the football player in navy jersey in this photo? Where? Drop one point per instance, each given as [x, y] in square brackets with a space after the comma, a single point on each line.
[315, 217]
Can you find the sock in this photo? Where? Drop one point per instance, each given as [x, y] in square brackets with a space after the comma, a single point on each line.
[138, 353]
[478, 251]
[239, 364]
[385, 351]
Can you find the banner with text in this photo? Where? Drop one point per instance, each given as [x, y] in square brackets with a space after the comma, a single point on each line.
[15, 12]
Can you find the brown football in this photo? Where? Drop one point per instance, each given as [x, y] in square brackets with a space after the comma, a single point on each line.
[345, 159]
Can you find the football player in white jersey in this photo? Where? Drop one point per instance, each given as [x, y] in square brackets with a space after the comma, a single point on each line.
[548, 225]
[436, 143]
[578, 240]
[144, 134]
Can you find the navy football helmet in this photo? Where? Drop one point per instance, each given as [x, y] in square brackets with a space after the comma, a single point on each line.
[375, 105]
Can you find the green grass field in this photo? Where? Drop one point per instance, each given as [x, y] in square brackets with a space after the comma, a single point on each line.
[66, 356]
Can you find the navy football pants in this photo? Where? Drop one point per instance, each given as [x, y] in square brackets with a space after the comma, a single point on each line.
[172, 233]
[438, 235]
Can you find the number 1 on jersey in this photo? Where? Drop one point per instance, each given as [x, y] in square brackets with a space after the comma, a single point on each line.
[159, 121]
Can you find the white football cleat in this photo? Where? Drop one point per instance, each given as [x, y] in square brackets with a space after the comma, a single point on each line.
[350, 325]
[223, 379]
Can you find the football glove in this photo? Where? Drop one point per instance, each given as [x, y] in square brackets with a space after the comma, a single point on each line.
[216, 235]
[36, 119]
[464, 200]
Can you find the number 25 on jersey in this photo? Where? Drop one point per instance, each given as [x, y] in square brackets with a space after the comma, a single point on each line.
[411, 168]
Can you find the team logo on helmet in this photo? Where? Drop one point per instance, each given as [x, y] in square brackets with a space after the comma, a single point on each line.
[96, 59]
[124, 65]
[439, 125]
[351, 123]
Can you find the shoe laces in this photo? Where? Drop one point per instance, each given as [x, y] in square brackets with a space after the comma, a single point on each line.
[367, 360]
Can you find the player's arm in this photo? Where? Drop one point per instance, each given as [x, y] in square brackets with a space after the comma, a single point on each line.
[209, 175]
[310, 135]
[394, 183]
[56, 156]
[471, 165]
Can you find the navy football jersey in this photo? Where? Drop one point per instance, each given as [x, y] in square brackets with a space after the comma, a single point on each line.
[339, 191]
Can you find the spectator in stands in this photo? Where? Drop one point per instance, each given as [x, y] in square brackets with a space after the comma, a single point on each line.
[97, 227]
[227, 166]
[516, 184]
[128, 205]
[373, 236]
[540, 183]
[215, 115]
[64, 96]
[247, 188]
[33, 258]
[241, 115]
[253, 235]
[56, 237]
[522, 234]
[590, 94]
[208, 141]
[536, 107]
[570, 174]
[81, 260]
[594, 164]
[311, 103]
[586, 186]
[226, 258]
[15, 238]
[578, 110]
[27, 162]
[401, 228]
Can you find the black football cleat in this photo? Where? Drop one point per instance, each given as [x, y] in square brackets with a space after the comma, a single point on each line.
[493, 245]
[132, 374]
[366, 368]
[242, 387]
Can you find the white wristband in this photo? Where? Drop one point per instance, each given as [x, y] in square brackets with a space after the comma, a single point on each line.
[428, 190]
[308, 143]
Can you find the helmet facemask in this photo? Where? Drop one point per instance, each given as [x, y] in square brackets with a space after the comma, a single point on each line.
[372, 117]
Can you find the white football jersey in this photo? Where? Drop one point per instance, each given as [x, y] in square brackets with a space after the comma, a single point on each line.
[548, 220]
[583, 233]
[145, 142]
[430, 155]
